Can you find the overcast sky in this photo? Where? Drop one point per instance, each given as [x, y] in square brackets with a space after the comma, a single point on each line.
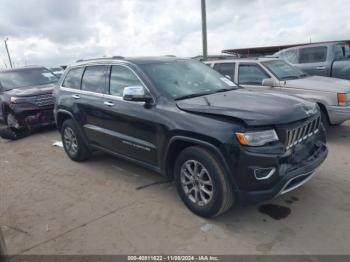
[51, 32]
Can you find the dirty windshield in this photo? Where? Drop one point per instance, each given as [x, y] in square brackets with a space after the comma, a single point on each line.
[182, 79]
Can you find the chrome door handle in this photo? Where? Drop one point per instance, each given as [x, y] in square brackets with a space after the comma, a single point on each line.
[107, 103]
[321, 68]
[76, 96]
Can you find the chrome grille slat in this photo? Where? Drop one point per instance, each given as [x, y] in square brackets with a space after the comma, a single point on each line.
[302, 132]
[44, 100]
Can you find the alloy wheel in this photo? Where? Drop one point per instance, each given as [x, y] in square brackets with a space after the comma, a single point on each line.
[70, 141]
[196, 182]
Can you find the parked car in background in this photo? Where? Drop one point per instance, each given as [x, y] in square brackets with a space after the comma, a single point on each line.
[324, 59]
[26, 99]
[222, 144]
[277, 76]
[58, 71]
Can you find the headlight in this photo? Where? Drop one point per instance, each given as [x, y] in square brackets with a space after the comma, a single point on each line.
[22, 100]
[258, 138]
[343, 99]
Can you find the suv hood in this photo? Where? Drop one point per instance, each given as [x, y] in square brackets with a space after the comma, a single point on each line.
[321, 83]
[31, 90]
[253, 108]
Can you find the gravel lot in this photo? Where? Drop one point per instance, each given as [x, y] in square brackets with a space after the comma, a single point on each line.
[51, 205]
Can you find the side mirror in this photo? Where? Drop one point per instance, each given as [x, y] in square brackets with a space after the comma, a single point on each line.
[136, 94]
[269, 82]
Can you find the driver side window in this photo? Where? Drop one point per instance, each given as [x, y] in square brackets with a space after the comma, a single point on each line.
[122, 77]
[250, 74]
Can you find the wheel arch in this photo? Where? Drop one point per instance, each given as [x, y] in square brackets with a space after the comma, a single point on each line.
[61, 116]
[324, 109]
[178, 143]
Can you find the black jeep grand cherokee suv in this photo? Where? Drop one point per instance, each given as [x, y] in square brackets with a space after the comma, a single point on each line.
[223, 145]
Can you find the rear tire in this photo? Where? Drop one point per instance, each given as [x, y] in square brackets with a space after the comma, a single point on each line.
[202, 183]
[73, 143]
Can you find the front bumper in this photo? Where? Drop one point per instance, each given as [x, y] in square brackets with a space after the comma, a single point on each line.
[292, 179]
[32, 116]
[338, 114]
[292, 168]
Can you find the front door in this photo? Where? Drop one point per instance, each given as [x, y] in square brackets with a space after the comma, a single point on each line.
[129, 126]
[251, 75]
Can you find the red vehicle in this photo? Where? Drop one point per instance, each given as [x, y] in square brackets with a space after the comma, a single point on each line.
[26, 97]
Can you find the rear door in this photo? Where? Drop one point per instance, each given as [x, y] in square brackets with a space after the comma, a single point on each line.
[129, 127]
[251, 75]
[88, 102]
[313, 60]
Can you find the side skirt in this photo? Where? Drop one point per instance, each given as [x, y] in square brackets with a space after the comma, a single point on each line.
[138, 162]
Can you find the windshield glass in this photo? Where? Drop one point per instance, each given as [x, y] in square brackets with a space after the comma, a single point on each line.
[283, 70]
[186, 78]
[27, 77]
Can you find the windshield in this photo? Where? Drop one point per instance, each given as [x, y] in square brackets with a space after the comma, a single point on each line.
[283, 70]
[27, 77]
[186, 78]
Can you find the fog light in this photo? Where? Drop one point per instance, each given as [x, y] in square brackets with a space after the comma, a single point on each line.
[264, 173]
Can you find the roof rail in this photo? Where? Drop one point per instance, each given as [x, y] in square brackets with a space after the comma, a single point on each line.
[100, 58]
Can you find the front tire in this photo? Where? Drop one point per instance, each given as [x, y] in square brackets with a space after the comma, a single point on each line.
[202, 183]
[73, 143]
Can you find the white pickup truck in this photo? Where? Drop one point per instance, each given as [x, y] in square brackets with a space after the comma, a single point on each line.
[275, 75]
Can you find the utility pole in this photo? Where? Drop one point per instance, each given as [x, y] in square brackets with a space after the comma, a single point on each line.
[8, 53]
[204, 30]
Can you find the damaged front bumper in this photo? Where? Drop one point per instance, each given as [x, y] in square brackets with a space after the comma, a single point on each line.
[32, 116]
[284, 172]
[292, 179]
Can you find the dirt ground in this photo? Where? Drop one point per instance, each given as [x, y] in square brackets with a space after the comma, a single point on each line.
[51, 205]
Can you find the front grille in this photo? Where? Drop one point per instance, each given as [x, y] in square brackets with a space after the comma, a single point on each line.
[44, 100]
[302, 132]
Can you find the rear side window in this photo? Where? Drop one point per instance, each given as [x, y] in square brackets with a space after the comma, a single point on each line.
[73, 78]
[226, 69]
[94, 79]
[313, 54]
[122, 77]
[251, 75]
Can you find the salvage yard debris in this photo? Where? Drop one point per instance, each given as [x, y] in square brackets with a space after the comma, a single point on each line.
[11, 133]
[58, 144]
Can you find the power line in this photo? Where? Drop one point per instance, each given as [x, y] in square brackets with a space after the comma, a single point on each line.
[8, 53]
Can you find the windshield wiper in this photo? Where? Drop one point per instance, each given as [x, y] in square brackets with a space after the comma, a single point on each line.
[193, 95]
[225, 90]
